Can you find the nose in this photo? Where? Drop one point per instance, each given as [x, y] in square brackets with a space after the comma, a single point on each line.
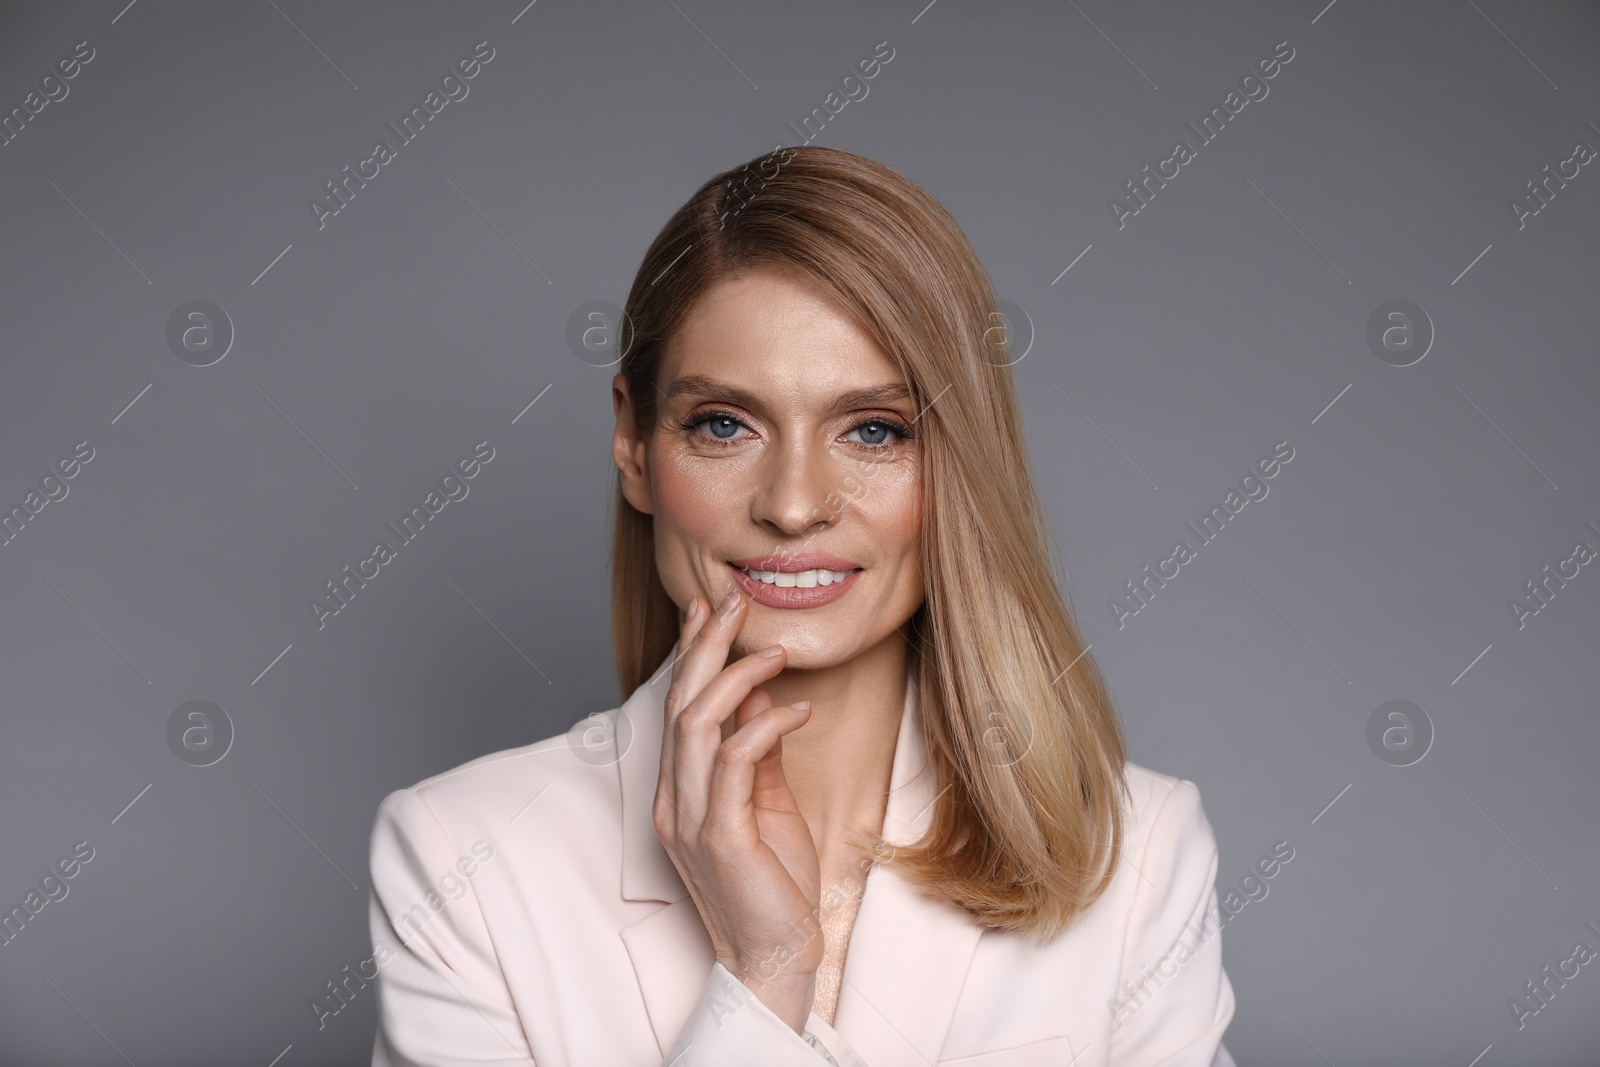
[798, 489]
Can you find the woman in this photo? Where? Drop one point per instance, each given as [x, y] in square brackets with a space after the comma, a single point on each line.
[867, 802]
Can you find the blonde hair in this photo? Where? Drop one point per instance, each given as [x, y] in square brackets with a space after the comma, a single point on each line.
[1020, 729]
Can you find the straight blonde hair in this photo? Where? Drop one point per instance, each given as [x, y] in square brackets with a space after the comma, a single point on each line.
[1020, 728]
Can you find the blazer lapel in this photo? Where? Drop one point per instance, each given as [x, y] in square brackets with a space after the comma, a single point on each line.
[908, 954]
[670, 949]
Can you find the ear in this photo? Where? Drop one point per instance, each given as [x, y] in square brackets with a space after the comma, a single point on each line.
[628, 449]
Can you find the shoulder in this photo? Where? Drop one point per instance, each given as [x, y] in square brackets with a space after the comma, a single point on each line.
[505, 795]
[1163, 811]
[1169, 855]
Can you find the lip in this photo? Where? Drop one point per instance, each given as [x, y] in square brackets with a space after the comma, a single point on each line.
[779, 561]
[774, 596]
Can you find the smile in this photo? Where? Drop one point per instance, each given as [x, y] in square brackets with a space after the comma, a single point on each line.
[809, 588]
[799, 579]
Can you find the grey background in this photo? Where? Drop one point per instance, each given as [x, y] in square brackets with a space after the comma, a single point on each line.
[1226, 316]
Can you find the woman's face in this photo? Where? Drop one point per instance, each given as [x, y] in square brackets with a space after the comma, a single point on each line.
[781, 435]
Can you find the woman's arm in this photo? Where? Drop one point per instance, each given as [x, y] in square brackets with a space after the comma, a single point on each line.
[442, 1001]
[732, 1025]
[1174, 999]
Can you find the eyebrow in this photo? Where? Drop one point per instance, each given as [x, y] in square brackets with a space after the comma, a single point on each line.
[701, 385]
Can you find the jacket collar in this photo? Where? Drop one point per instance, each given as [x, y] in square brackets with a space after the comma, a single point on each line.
[908, 953]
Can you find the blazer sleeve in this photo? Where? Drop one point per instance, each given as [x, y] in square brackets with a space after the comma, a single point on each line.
[1175, 1000]
[442, 1000]
[731, 1024]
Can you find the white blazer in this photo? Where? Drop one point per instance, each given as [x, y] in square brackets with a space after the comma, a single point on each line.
[523, 911]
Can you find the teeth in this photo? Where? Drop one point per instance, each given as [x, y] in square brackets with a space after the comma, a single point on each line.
[798, 579]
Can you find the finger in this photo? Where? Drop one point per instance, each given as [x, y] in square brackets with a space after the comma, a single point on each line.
[694, 621]
[698, 728]
[734, 777]
[768, 786]
[758, 701]
[699, 659]
[708, 653]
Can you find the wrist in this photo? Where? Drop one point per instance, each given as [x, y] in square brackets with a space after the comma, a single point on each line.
[788, 994]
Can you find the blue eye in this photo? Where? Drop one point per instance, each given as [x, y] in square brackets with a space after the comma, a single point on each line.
[879, 425]
[720, 427]
[727, 422]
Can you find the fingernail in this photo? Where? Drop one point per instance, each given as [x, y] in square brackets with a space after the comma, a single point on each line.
[695, 608]
[727, 605]
[801, 705]
[771, 650]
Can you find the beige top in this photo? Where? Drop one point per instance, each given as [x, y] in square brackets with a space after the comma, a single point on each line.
[838, 909]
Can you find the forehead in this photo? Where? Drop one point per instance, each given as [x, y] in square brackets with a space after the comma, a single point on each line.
[776, 335]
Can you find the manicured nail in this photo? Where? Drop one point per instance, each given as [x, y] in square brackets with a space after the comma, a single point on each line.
[771, 650]
[727, 605]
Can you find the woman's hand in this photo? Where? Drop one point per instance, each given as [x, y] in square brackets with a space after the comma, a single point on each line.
[728, 819]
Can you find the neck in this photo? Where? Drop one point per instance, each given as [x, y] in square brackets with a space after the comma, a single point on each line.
[838, 764]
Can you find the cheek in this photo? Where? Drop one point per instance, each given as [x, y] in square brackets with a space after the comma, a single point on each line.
[892, 506]
[694, 494]
[694, 506]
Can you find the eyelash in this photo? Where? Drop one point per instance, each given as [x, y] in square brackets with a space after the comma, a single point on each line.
[690, 424]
